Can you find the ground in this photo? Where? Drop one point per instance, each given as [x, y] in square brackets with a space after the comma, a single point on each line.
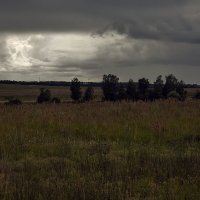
[100, 151]
[29, 93]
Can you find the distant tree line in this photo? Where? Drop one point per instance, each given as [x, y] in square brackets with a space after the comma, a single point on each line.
[113, 90]
[76, 93]
[46, 97]
[68, 83]
[48, 83]
[142, 90]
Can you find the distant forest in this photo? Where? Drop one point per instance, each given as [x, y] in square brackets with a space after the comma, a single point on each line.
[113, 90]
[68, 83]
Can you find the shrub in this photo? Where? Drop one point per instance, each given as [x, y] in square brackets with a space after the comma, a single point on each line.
[14, 101]
[45, 96]
[75, 88]
[180, 89]
[131, 90]
[89, 94]
[110, 87]
[122, 92]
[143, 86]
[55, 100]
[197, 95]
[170, 84]
[158, 88]
[174, 95]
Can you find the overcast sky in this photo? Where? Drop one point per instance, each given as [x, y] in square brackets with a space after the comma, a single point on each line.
[60, 39]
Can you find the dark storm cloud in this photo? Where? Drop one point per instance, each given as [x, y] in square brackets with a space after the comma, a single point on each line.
[85, 15]
[158, 36]
[173, 20]
[3, 49]
[177, 30]
[151, 19]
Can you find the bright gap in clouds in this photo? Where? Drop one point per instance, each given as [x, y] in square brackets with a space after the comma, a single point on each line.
[62, 56]
[40, 52]
[18, 51]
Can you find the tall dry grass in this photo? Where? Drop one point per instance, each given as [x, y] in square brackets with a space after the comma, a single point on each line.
[100, 151]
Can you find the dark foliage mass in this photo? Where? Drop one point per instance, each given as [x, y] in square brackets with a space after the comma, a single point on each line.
[113, 90]
[197, 95]
[122, 94]
[131, 90]
[48, 83]
[89, 94]
[110, 87]
[55, 100]
[45, 96]
[75, 88]
[143, 90]
[13, 102]
[67, 83]
[158, 88]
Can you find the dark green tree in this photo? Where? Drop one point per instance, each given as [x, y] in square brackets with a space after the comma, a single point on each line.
[143, 86]
[13, 101]
[89, 94]
[75, 88]
[45, 96]
[181, 90]
[170, 84]
[197, 95]
[122, 92]
[174, 95]
[131, 90]
[55, 100]
[158, 88]
[110, 87]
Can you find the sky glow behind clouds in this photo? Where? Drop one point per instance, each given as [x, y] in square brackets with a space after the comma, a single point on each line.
[60, 39]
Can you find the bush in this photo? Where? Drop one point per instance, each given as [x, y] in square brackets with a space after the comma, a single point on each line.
[158, 88]
[110, 87]
[122, 92]
[55, 100]
[170, 84]
[14, 101]
[75, 88]
[143, 86]
[197, 95]
[131, 90]
[174, 95]
[45, 96]
[89, 94]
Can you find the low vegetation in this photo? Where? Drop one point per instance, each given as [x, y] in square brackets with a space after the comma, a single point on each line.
[13, 101]
[45, 96]
[105, 150]
[197, 95]
[113, 90]
[139, 141]
[82, 92]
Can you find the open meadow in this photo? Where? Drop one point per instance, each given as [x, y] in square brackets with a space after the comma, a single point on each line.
[101, 151]
[29, 93]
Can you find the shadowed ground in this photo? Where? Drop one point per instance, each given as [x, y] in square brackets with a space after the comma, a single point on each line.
[100, 151]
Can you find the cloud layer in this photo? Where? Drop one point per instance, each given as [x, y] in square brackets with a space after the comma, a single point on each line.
[87, 38]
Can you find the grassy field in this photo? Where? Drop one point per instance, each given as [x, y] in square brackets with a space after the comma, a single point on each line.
[31, 92]
[100, 151]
